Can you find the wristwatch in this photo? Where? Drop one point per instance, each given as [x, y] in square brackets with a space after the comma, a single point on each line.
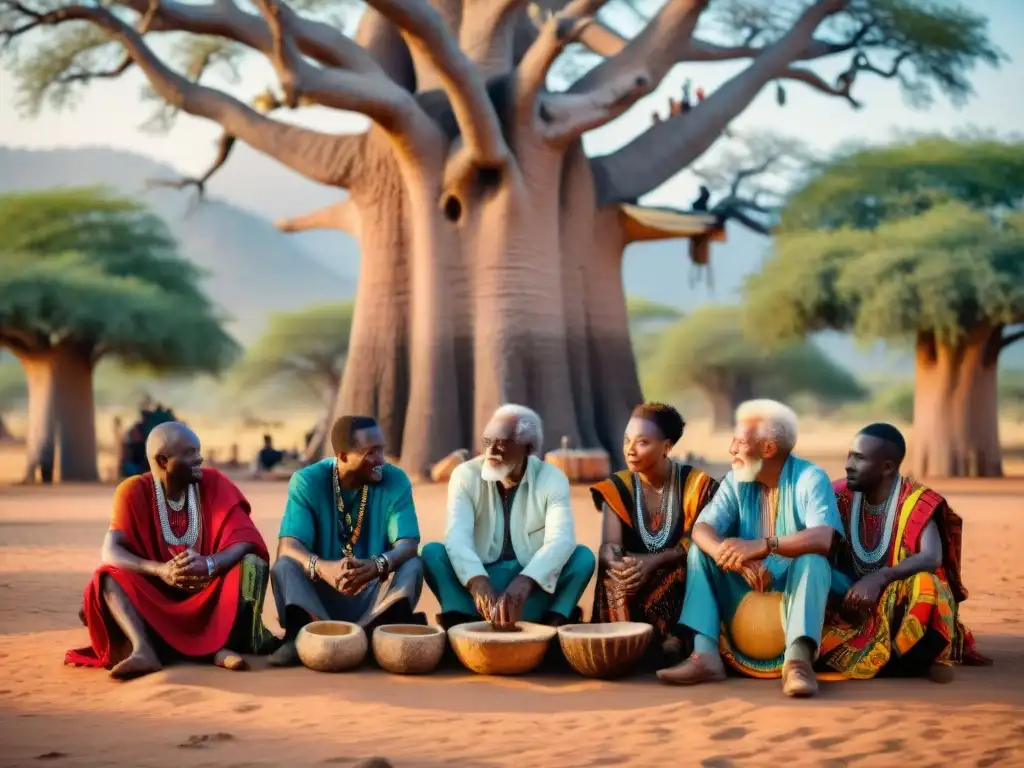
[383, 566]
[311, 568]
[773, 544]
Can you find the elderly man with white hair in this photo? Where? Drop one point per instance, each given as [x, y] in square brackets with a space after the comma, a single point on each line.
[510, 550]
[768, 529]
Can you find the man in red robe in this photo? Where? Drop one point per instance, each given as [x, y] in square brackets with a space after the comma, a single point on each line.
[184, 570]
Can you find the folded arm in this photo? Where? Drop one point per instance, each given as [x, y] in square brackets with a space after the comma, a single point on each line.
[115, 552]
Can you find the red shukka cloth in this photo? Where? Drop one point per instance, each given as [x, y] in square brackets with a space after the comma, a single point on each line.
[194, 624]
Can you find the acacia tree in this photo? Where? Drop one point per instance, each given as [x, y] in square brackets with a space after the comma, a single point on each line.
[492, 245]
[710, 351]
[305, 350]
[933, 270]
[84, 275]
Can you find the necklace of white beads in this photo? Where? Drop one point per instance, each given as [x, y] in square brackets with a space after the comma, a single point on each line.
[656, 542]
[191, 535]
[868, 559]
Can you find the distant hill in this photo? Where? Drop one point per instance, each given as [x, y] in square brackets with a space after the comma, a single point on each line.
[253, 269]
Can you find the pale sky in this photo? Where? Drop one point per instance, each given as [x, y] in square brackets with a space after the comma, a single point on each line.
[110, 113]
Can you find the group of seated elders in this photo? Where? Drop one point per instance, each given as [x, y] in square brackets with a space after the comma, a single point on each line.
[868, 585]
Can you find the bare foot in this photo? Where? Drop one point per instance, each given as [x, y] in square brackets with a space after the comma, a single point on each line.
[230, 660]
[139, 663]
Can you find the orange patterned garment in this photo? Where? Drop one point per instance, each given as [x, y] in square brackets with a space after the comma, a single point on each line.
[916, 622]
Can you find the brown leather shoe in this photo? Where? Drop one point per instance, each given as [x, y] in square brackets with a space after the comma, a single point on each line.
[699, 668]
[798, 679]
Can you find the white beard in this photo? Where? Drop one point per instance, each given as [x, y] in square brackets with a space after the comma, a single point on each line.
[494, 473]
[748, 471]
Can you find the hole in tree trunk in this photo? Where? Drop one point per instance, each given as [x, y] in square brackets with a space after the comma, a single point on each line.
[452, 208]
[489, 178]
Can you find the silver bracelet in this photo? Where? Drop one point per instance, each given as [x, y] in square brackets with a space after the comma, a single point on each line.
[383, 566]
[311, 568]
[211, 566]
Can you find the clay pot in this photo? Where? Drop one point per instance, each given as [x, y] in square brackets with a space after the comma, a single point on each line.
[756, 629]
[331, 646]
[487, 651]
[605, 650]
[581, 465]
[408, 649]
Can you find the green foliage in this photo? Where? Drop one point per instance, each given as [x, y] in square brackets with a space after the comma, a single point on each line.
[303, 350]
[84, 268]
[642, 310]
[865, 188]
[938, 41]
[709, 350]
[945, 271]
[13, 387]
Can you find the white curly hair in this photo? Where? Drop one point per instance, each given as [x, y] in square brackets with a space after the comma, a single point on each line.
[775, 421]
[529, 427]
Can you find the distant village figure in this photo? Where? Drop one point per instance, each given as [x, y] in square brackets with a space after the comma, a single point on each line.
[687, 87]
[700, 95]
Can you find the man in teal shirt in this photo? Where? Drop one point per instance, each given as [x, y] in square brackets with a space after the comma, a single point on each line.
[348, 542]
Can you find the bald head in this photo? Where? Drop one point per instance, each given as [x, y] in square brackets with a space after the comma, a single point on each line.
[173, 452]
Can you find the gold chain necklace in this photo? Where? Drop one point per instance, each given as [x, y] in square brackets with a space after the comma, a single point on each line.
[345, 514]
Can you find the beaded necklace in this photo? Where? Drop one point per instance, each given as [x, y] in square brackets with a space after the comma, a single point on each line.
[656, 541]
[866, 560]
[345, 514]
[195, 523]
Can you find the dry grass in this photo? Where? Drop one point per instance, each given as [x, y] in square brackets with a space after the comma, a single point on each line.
[820, 440]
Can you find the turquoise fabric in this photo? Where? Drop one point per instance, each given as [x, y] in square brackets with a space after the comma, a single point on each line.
[311, 514]
[455, 598]
[806, 500]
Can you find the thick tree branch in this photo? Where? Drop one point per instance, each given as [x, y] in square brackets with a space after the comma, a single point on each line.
[315, 155]
[1010, 338]
[659, 153]
[478, 121]
[558, 31]
[568, 116]
[343, 216]
[656, 48]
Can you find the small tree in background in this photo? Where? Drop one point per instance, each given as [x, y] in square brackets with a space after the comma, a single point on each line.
[13, 392]
[84, 275]
[709, 351]
[915, 242]
[301, 351]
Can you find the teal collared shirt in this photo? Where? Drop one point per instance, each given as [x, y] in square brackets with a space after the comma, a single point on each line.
[311, 514]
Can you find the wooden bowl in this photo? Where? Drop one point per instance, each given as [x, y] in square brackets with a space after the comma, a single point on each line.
[756, 629]
[487, 651]
[605, 651]
[408, 649]
[331, 646]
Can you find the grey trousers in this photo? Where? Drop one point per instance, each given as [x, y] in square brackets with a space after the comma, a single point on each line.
[293, 588]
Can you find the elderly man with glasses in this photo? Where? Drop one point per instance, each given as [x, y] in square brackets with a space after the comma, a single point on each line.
[510, 550]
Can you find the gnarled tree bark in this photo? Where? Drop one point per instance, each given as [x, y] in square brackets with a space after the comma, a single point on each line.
[491, 245]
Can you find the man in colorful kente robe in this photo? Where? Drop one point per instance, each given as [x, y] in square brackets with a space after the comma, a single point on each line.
[348, 540]
[768, 529]
[896, 578]
[184, 569]
[649, 510]
[510, 550]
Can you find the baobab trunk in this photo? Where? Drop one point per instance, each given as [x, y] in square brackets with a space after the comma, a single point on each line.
[956, 417]
[75, 413]
[39, 443]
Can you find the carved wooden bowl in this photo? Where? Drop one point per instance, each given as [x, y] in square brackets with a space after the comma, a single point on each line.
[605, 650]
[331, 646]
[408, 649]
[756, 629]
[487, 651]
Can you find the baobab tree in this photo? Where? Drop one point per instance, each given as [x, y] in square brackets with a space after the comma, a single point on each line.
[492, 246]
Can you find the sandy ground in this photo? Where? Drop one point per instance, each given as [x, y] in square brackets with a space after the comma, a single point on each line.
[201, 716]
